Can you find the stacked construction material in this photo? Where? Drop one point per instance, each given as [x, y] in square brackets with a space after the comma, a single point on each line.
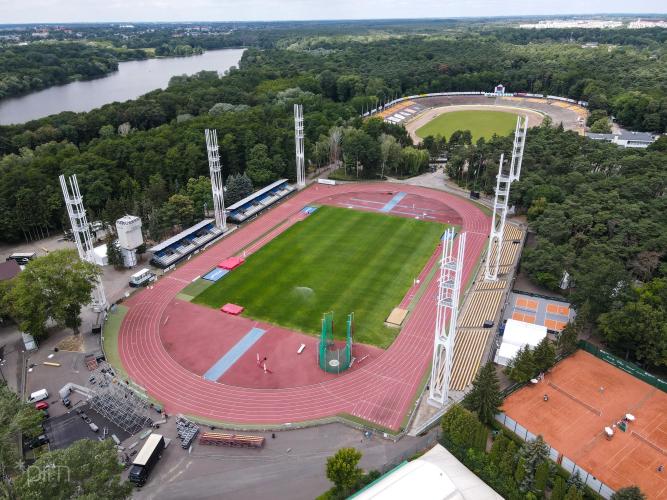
[187, 431]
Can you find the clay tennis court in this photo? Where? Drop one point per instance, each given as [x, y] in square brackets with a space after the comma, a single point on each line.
[167, 345]
[585, 395]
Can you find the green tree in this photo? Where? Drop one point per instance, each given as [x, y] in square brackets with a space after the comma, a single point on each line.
[114, 255]
[522, 367]
[601, 126]
[237, 187]
[179, 210]
[86, 469]
[534, 453]
[568, 338]
[639, 327]
[342, 469]
[629, 493]
[541, 478]
[484, 398]
[260, 166]
[199, 191]
[16, 418]
[520, 471]
[573, 494]
[55, 286]
[544, 355]
[559, 489]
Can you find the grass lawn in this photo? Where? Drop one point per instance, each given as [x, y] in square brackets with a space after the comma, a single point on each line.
[480, 123]
[337, 260]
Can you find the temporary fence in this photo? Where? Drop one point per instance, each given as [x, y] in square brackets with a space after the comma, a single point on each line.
[591, 481]
[624, 365]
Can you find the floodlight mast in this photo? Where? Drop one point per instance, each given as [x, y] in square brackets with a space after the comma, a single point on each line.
[447, 303]
[81, 232]
[501, 200]
[298, 142]
[216, 178]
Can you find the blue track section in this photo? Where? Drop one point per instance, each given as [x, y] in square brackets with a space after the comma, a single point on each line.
[215, 274]
[233, 355]
[308, 210]
[393, 202]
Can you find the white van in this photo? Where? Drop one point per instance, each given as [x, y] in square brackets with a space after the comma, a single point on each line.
[141, 278]
[40, 395]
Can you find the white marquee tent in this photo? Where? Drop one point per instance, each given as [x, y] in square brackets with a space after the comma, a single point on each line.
[436, 475]
[518, 334]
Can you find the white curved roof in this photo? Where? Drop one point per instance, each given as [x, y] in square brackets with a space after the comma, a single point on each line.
[436, 475]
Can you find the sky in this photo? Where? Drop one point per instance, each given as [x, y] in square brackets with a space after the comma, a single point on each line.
[64, 11]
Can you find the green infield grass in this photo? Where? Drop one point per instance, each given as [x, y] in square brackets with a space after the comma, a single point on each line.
[480, 123]
[338, 260]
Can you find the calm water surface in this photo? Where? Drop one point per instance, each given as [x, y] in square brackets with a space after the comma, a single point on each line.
[133, 78]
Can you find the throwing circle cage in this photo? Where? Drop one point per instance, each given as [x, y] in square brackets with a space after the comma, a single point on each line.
[333, 359]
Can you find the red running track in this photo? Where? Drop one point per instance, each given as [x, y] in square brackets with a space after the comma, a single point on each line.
[381, 392]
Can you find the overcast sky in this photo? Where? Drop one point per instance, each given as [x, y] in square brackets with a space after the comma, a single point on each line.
[61, 11]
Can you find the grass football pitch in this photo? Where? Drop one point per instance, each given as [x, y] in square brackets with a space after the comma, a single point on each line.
[480, 123]
[337, 260]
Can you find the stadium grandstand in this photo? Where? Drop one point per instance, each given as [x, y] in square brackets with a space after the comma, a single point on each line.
[477, 320]
[185, 243]
[252, 205]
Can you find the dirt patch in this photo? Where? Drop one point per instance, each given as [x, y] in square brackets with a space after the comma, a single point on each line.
[73, 343]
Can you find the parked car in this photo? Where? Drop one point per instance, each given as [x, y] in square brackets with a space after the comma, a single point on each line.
[42, 405]
[38, 441]
[40, 395]
[67, 402]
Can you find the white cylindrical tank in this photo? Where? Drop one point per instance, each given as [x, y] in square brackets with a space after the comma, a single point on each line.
[129, 232]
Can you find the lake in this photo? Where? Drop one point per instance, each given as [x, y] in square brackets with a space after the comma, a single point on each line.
[133, 79]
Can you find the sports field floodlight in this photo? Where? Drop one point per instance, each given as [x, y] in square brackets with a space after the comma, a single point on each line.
[447, 303]
[82, 236]
[216, 178]
[298, 142]
[504, 180]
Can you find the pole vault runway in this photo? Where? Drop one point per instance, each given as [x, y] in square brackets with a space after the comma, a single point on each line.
[382, 392]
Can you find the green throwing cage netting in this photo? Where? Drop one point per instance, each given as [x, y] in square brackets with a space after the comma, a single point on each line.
[332, 358]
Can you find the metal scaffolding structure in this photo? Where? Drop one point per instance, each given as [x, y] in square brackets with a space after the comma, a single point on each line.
[82, 236]
[504, 180]
[216, 178]
[117, 402]
[298, 141]
[447, 302]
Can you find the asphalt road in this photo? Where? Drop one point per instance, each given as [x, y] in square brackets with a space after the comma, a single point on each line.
[292, 466]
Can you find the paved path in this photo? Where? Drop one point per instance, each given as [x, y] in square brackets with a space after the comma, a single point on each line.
[382, 392]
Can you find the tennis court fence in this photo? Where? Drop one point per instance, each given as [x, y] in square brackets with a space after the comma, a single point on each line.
[624, 365]
[591, 481]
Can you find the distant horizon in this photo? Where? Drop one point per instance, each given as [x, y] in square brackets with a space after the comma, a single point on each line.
[28, 12]
[267, 21]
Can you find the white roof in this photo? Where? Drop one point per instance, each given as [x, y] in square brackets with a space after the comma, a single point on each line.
[437, 475]
[518, 334]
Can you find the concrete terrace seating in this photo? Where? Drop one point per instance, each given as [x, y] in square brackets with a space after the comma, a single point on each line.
[468, 351]
[482, 306]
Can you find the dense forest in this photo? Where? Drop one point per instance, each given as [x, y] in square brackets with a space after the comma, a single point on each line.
[597, 210]
[26, 68]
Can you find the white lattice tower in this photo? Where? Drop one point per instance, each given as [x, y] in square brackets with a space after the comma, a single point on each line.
[501, 201]
[298, 142]
[517, 147]
[447, 303]
[216, 178]
[81, 231]
[500, 204]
